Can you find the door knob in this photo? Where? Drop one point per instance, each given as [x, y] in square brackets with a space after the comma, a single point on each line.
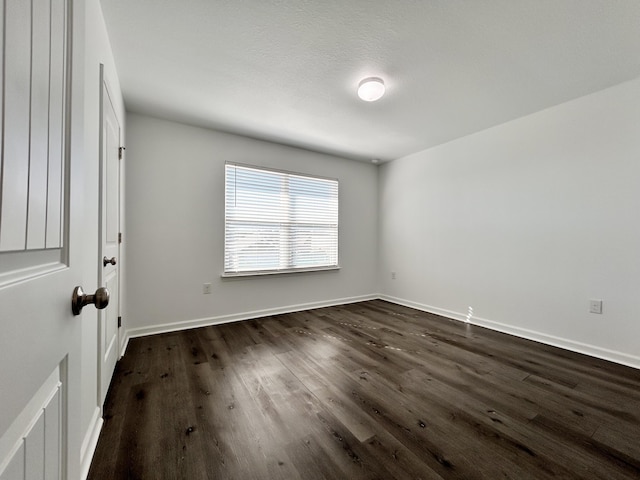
[79, 299]
[106, 261]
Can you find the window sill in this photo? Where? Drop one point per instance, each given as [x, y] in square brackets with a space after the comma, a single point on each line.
[277, 272]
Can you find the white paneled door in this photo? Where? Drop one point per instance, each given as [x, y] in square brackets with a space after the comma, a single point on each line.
[41, 128]
[110, 154]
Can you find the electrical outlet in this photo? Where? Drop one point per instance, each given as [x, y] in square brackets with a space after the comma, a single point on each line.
[595, 306]
[206, 288]
[393, 275]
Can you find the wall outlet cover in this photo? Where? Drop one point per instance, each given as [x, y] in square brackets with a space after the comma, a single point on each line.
[595, 306]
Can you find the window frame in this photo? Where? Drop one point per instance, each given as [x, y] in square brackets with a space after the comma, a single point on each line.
[278, 271]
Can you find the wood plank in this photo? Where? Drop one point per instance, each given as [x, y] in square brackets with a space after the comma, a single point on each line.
[365, 391]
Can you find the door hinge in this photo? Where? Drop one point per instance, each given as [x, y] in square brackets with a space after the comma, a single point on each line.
[121, 152]
[119, 322]
[119, 237]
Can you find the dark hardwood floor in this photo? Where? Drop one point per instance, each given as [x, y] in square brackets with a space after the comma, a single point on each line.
[365, 391]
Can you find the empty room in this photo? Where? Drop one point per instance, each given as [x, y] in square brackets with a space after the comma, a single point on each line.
[320, 239]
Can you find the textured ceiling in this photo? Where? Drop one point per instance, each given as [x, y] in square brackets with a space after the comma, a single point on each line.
[288, 70]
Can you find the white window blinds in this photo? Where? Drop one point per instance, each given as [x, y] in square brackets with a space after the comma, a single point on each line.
[278, 221]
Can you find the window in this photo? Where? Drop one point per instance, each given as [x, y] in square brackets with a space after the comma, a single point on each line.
[278, 222]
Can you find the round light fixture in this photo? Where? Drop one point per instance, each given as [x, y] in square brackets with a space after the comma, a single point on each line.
[371, 89]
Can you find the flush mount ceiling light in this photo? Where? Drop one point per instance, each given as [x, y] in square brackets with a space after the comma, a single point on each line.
[371, 89]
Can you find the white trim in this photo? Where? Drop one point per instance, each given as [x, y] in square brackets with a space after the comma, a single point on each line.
[579, 347]
[124, 342]
[235, 317]
[571, 345]
[255, 273]
[424, 308]
[591, 350]
[90, 442]
[25, 274]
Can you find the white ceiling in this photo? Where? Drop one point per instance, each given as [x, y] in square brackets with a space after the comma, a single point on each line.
[288, 70]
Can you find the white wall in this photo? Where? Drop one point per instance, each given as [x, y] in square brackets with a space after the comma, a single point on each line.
[526, 222]
[175, 229]
[97, 51]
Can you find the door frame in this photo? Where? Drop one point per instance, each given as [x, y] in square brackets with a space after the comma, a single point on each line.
[106, 89]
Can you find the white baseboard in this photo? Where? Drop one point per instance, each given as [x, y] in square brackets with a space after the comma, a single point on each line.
[90, 442]
[236, 317]
[578, 347]
[591, 350]
[124, 343]
[424, 308]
